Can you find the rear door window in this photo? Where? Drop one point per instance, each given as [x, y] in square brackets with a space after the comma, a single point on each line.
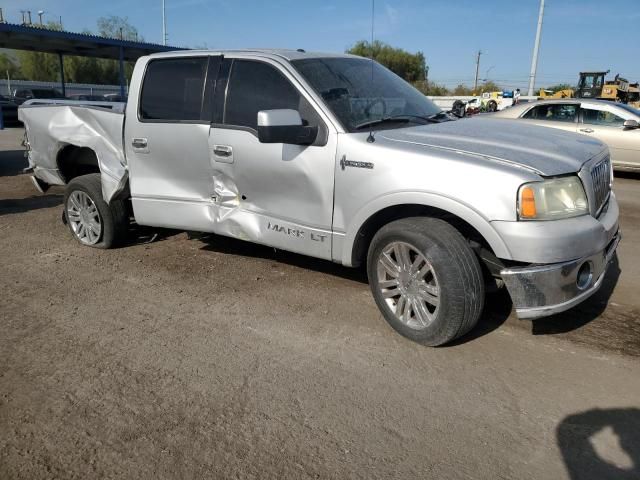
[172, 89]
[556, 112]
[600, 117]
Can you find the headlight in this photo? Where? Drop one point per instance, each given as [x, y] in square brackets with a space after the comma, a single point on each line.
[552, 199]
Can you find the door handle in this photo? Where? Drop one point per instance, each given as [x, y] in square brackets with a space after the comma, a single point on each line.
[139, 143]
[587, 130]
[222, 150]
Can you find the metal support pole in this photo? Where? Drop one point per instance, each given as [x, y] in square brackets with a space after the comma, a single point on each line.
[64, 90]
[536, 47]
[475, 83]
[164, 25]
[122, 73]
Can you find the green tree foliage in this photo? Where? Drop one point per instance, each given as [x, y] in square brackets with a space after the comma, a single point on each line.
[8, 66]
[560, 86]
[489, 87]
[118, 27]
[410, 66]
[462, 90]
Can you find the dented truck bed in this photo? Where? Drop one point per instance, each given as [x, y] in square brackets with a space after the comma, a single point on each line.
[51, 128]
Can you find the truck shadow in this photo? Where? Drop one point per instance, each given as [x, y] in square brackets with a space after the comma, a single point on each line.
[601, 444]
[12, 162]
[228, 245]
[21, 205]
[584, 313]
[498, 310]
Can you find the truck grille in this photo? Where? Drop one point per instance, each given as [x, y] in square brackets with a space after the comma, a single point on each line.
[601, 181]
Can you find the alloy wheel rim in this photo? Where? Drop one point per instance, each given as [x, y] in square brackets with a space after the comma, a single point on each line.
[408, 284]
[84, 218]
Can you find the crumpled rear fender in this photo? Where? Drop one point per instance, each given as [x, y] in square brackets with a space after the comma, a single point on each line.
[52, 128]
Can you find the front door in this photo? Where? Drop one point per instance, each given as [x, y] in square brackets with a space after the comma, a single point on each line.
[624, 144]
[167, 143]
[276, 194]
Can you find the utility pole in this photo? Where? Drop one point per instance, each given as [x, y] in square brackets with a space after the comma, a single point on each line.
[164, 25]
[536, 47]
[475, 83]
[426, 78]
[29, 16]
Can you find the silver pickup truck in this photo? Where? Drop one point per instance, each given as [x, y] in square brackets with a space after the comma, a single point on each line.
[336, 157]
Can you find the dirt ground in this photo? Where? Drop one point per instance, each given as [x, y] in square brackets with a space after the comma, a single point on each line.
[213, 358]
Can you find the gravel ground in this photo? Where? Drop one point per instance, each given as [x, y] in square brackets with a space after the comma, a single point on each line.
[213, 358]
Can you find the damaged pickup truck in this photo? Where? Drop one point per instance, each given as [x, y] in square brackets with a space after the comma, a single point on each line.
[336, 157]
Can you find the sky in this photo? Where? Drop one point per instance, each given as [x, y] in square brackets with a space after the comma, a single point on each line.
[577, 35]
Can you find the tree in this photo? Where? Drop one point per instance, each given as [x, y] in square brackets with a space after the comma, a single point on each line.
[8, 66]
[560, 86]
[118, 27]
[410, 66]
[462, 90]
[39, 66]
[489, 86]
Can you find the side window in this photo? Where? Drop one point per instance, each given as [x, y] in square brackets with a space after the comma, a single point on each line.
[255, 86]
[556, 112]
[172, 89]
[600, 117]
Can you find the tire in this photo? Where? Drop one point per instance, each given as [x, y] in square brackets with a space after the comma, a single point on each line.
[492, 106]
[90, 219]
[449, 274]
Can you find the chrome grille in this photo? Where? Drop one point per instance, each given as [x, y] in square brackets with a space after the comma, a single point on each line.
[601, 182]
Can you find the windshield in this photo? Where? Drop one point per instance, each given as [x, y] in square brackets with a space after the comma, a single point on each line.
[357, 97]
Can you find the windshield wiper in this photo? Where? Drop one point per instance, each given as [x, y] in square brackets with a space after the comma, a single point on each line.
[395, 119]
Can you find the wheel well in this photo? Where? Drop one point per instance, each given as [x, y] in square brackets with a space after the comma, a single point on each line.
[396, 212]
[74, 161]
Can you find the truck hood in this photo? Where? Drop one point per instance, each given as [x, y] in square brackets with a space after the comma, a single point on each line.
[545, 151]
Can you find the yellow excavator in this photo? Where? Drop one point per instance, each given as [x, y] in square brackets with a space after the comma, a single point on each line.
[594, 85]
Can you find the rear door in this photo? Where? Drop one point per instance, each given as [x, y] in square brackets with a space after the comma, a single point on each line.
[606, 124]
[166, 142]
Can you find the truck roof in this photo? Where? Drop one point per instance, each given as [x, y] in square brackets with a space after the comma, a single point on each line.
[267, 52]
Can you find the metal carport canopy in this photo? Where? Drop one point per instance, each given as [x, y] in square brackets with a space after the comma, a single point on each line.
[40, 39]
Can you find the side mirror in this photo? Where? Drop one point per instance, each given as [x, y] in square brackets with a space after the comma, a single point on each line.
[631, 124]
[284, 126]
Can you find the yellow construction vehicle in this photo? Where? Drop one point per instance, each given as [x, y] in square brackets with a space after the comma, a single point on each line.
[594, 85]
[547, 94]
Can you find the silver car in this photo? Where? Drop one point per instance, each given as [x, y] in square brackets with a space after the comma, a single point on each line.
[336, 157]
[616, 124]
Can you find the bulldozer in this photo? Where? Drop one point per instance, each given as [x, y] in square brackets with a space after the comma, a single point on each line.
[594, 85]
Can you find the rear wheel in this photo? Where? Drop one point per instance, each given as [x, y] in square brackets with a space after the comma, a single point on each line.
[92, 221]
[425, 279]
[492, 106]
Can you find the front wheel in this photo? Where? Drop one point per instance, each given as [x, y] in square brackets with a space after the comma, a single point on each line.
[425, 279]
[92, 221]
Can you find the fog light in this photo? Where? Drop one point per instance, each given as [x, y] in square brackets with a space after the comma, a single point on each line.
[585, 274]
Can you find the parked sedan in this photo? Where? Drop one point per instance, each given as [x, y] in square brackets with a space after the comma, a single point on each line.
[616, 124]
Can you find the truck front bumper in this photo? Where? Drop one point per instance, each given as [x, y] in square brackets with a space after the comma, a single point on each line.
[543, 290]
